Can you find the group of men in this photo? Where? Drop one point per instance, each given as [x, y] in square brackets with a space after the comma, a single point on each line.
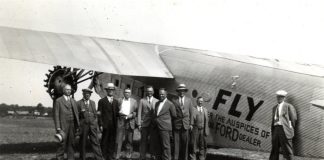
[157, 119]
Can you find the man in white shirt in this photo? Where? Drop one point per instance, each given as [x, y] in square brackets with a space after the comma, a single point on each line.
[284, 118]
[126, 124]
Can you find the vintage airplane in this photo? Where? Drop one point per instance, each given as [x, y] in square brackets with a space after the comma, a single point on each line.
[238, 90]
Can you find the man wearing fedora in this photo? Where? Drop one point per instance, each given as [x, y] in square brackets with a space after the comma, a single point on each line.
[284, 119]
[145, 115]
[89, 125]
[66, 120]
[107, 120]
[126, 123]
[181, 128]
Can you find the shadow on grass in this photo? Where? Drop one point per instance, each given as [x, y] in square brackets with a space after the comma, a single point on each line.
[41, 147]
[222, 157]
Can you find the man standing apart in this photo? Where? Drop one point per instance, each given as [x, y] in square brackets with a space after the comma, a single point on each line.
[66, 119]
[200, 131]
[89, 125]
[284, 119]
[184, 108]
[126, 123]
[164, 113]
[145, 115]
[107, 111]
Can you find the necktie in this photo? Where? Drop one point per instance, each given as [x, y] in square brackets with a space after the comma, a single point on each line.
[277, 113]
[149, 99]
[181, 101]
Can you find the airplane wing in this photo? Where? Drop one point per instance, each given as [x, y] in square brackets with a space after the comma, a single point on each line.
[99, 54]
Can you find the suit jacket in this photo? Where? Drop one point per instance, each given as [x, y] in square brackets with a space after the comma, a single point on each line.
[145, 112]
[60, 112]
[107, 113]
[92, 108]
[289, 119]
[133, 109]
[163, 120]
[193, 119]
[183, 116]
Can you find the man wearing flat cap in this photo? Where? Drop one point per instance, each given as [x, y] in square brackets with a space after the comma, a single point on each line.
[284, 119]
[107, 120]
[89, 125]
[184, 108]
[66, 119]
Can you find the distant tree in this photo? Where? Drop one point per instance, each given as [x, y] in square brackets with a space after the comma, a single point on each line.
[40, 108]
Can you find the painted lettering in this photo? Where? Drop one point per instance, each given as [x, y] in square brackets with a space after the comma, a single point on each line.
[252, 108]
[233, 110]
[219, 98]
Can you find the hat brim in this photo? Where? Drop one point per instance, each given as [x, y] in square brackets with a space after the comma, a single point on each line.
[87, 91]
[110, 88]
[58, 137]
[182, 89]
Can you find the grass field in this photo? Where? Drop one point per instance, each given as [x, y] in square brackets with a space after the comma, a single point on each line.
[33, 139]
[27, 138]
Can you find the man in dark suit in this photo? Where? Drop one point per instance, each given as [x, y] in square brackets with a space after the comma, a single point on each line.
[89, 125]
[184, 108]
[126, 123]
[107, 120]
[164, 113]
[284, 119]
[66, 119]
[145, 115]
[199, 132]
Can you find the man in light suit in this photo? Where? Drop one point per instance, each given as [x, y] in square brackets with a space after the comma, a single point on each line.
[107, 120]
[199, 132]
[284, 119]
[89, 125]
[164, 114]
[145, 115]
[184, 108]
[66, 119]
[126, 123]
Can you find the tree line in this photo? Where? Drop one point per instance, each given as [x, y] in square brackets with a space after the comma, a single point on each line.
[39, 108]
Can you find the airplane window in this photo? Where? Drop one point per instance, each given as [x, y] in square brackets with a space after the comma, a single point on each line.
[128, 86]
[194, 93]
[206, 97]
[141, 92]
[116, 82]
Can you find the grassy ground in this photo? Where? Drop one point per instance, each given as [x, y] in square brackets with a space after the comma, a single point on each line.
[33, 139]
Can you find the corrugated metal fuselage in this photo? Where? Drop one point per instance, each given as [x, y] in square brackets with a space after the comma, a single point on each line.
[240, 97]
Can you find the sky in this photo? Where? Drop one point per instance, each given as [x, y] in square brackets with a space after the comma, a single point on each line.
[22, 83]
[291, 30]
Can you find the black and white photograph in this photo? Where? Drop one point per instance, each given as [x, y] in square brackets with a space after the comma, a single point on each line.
[161, 80]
